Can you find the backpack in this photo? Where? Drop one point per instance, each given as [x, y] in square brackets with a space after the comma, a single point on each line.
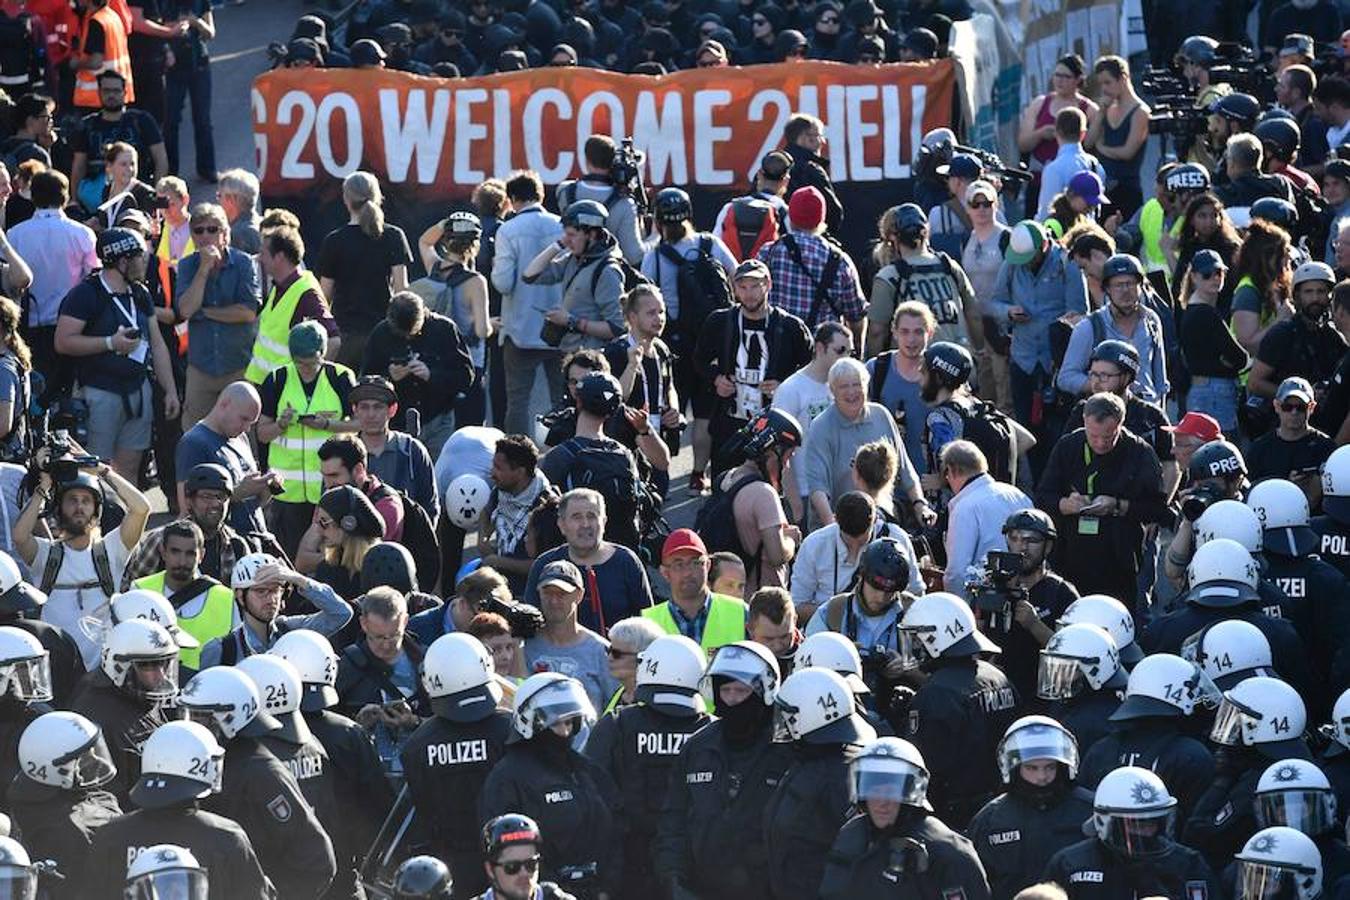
[903, 271]
[631, 276]
[989, 429]
[607, 468]
[701, 283]
[419, 536]
[567, 195]
[749, 224]
[102, 566]
[821, 285]
[716, 521]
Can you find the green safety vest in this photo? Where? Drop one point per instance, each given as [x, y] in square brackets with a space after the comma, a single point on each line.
[725, 625]
[215, 619]
[295, 454]
[1151, 231]
[271, 350]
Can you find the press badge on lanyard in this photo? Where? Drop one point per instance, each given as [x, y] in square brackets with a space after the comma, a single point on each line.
[142, 346]
[1089, 525]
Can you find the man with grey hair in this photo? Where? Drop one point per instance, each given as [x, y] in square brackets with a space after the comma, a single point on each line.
[237, 194]
[627, 638]
[976, 513]
[1246, 184]
[1104, 487]
[835, 436]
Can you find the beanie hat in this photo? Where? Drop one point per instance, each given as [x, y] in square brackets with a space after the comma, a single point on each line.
[307, 339]
[806, 209]
[352, 511]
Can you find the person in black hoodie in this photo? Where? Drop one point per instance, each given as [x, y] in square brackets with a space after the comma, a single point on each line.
[804, 137]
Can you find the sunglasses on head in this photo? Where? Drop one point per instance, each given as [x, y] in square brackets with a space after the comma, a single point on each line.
[515, 866]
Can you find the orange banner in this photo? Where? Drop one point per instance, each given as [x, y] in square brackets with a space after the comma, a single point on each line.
[707, 128]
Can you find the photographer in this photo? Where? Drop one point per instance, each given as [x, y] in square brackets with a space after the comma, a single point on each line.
[616, 195]
[976, 513]
[80, 569]
[1197, 56]
[585, 260]
[1242, 159]
[1215, 472]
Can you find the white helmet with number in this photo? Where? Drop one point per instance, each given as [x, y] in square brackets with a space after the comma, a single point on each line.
[1230, 519]
[457, 674]
[1222, 573]
[752, 664]
[1336, 484]
[817, 706]
[64, 750]
[280, 689]
[180, 762]
[1279, 862]
[1133, 813]
[889, 768]
[547, 699]
[1296, 793]
[669, 672]
[140, 603]
[1339, 729]
[1111, 614]
[314, 658]
[18, 875]
[465, 499]
[1264, 713]
[940, 624]
[1229, 651]
[245, 573]
[226, 701]
[1036, 737]
[141, 658]
[831, 650]
[17, 596]
[1077, 660]
[1165, 686]
[25, 667]
[1282, 508]
[166, 870]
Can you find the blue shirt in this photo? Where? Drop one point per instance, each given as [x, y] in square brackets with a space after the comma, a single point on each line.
[1046, 294]
[898, 392]
[219, 348]
[1068, 162]
[870, 633]
[975, 518]
[1150, 384]
[691, 628]
[202, 445]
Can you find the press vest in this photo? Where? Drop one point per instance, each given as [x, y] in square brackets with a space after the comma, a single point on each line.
[213, 620]
[725, 625]
[115, 58]
[1151, 229]
[271, 350]
[295, 454]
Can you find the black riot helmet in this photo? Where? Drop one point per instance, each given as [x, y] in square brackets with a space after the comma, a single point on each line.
[883, 565]
[422, 878]
[951, 364]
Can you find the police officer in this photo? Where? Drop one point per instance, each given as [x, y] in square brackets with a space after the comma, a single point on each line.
[638, 745]
[1041, 812]
[1238, 522]
[1260, 720]
[1111, 614]
[1335, 756]
[1295, 793]
[166, 870]
[361, 790]
[544, 777]
[1133, 852]
[511, 850]
[57, 799]
[709, 842]
[896, 846]
[817, 715]
[828, 650]
[422, 878]
[127, 696]
[1229, 651]
[20, 605]
[1080, 675]
[958, 716]
[182, 765]
[25, 691]
[1279, 862]
[1333, 526]
[1151, 729]
[1216, 472]
[21, 876]
[261, 793]
[450, 754]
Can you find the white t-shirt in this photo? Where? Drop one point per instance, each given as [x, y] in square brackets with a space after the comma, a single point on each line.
[803, 398]
[76, 603]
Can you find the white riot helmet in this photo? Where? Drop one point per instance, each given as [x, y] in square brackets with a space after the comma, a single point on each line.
[831, 650]
[1133, 813]
[1230, 651]
[316, 661]
[141, 658]
[245, 574]
[1222, 574]
[1166, 686]
[753, 665]
[1078, 659]
[18, 598]
[889, 768]
[1230, 519]
[1263, 713]
[1282, 508]
[180, 762]
[457, 674]
[18, 875]
[669, 672]
[1336, 485]
[280, 689]
[145, 604]
[940, 624]
[166, 870]
[1031, 738]
[226, 701]
[465, 499]
[1339, 729]
[25, 667]
[64, 750]
[1109, 613]
[1279, 862]
[817, 706]
[547, 699]
[1297, 794]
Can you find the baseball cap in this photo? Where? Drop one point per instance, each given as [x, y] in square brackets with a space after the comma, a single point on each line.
[562, 573]
[372, 387]
[1026, 240]
[776, 164]
[922, 43]
[307, 339]
[1295, 387]
[752, 268]
[366, 52]
[963, 165]
[981, 188]
[1088, 185]
[713, 47]
[1207, 262]
[1198, 425]
[1298, 44]
[681, 540]
[1337, 168]
[303, 49]
[806, 208]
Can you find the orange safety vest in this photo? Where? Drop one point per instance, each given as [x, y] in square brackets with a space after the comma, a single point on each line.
[115, 57]
[168, 269]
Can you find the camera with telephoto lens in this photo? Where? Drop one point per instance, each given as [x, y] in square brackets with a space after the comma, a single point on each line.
[62, 464]
[525, 621]
[1194, 504]
[993, 593]
[626, 172]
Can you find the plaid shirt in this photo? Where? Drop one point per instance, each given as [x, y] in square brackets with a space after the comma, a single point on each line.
[794, 291]
[144, 559]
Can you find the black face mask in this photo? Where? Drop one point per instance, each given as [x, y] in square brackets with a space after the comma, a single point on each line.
[556, 749]
[746, 721]
[1045, 796]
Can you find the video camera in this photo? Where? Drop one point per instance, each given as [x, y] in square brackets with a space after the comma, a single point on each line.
[525, 620]
[61, 463]
[1201, 498]
[1244, 69]
[993, 593]
[626, 173]
[994, 165]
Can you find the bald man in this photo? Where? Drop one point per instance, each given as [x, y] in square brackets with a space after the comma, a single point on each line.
[222, 437]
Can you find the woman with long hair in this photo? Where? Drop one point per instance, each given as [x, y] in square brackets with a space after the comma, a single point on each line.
[449, 251]
[16, 363]
[1213, 356]
[349, 525]
[361, 265]
[1264, 286]
[123, 190]
[1036, 128]
[1204, 226]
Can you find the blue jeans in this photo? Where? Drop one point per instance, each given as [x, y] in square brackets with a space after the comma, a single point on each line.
[1216, 397]
[194, 84]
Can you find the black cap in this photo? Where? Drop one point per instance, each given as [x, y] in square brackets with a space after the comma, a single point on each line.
[922, 43]
[366, 52]
[302, 49]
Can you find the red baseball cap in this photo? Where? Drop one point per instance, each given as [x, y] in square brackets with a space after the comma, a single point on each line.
[680, 540]
[1199, 425]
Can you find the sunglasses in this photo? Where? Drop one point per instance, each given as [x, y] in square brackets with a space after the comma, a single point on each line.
[1293, 407]
[758, 21]
[829, 21]
[618, 654]
[515, 866]
[981, 204]
[206, 229]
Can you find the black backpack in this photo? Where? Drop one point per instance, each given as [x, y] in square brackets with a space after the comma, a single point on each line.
[989, 429]
[702, 284]
[716, 521]
[607, 467]
[631, 276]
[419, 536]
